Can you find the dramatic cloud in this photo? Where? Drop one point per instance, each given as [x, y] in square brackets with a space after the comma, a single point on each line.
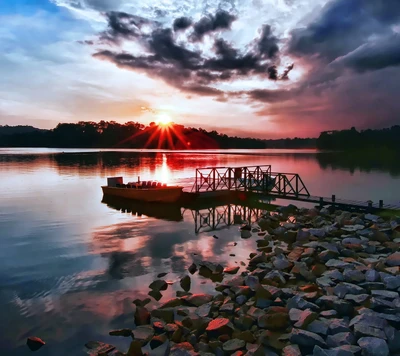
[124, 26]
[189, 70]
[374, 55]
[343, 26]
[221, 21]
[182, 23]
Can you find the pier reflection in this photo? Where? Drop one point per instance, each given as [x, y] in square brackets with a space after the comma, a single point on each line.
[221, 217]
[205, 218]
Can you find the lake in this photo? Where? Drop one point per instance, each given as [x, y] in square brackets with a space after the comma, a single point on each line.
[71, 265]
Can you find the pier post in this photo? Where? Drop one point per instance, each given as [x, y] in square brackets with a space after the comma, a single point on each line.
[333, 198]
[321, 202]
[381, 204]
[369, 205]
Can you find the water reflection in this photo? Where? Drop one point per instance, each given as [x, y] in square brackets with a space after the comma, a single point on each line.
[70, 265]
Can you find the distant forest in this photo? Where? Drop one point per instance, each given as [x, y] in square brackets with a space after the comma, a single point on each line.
[135, 135]
[362, 141]
[110, 134]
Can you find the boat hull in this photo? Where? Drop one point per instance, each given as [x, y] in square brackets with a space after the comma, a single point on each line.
[161, 194]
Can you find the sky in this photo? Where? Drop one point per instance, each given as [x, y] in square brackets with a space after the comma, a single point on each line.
[261, 68]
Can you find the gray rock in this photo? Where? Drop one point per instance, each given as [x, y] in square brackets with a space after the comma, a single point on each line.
[392, 282]
[300, 303]
[294, 314]
[385, 294]
[372, 346]
[241, 299]
[318, 327]
[351, 241]
[369, 320]
[393, 260]
[337, 326]
[252, 282]
[143, 334]
[204, 310]
[334, 274]
[233, 345]
[336, 264]
[372, 276]
[306, 338]
[281, 263]
[318, 351]
[357, 299]
[317, 232]
[328, 313]
[303, 235]
[353, 276]
[291, 350]
[371, 217]
[361, 330]
[393, 338]
[340, 339]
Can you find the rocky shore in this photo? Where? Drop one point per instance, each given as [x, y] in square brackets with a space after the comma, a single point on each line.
[322, 283]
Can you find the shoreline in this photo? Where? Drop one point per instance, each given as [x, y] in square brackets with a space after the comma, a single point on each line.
[326, 283]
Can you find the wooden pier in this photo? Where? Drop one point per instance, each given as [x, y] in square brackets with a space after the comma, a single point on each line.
[259, 181]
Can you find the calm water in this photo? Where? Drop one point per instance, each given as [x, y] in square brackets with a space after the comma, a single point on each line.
[70, 264]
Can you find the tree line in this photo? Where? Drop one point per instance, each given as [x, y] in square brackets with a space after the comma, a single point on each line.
[110, 134]
[362, 141]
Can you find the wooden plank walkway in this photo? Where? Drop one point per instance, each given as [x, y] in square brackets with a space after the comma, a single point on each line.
[338, 202]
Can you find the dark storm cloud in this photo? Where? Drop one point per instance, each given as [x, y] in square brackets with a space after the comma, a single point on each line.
[343, 26]
[124, 26]
[185, 69]
[182, 23]
[268, 43]
[207, 24]
[374, 56]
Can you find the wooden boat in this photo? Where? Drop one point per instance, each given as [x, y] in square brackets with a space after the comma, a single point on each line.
[149, 191]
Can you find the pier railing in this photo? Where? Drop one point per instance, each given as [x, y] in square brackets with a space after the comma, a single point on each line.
[231, 178]
[258, 179]
[288, 185]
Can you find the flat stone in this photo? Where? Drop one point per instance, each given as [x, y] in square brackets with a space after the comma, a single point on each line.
[358, 299]
[306, 317]
[392, 282]
[393, 260]
[231, 270]
[198, 299]
[306, 338]
[336, 264]
[371, 320]
[294, 314]
[218, 325]
[385, 294]
[291, 350]
[204, 310]
[233, 345]
[372, 276]
[300, 303]
[141, 316]
[318, 327]
[353, 276]
[337, 326]
[372, 346]
[340, 339]
[361, 329]
[143, 334]
[276, 318]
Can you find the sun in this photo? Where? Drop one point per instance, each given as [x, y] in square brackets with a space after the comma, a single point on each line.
[163, 120]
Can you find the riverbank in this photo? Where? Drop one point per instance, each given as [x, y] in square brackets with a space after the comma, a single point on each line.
[320, 283]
